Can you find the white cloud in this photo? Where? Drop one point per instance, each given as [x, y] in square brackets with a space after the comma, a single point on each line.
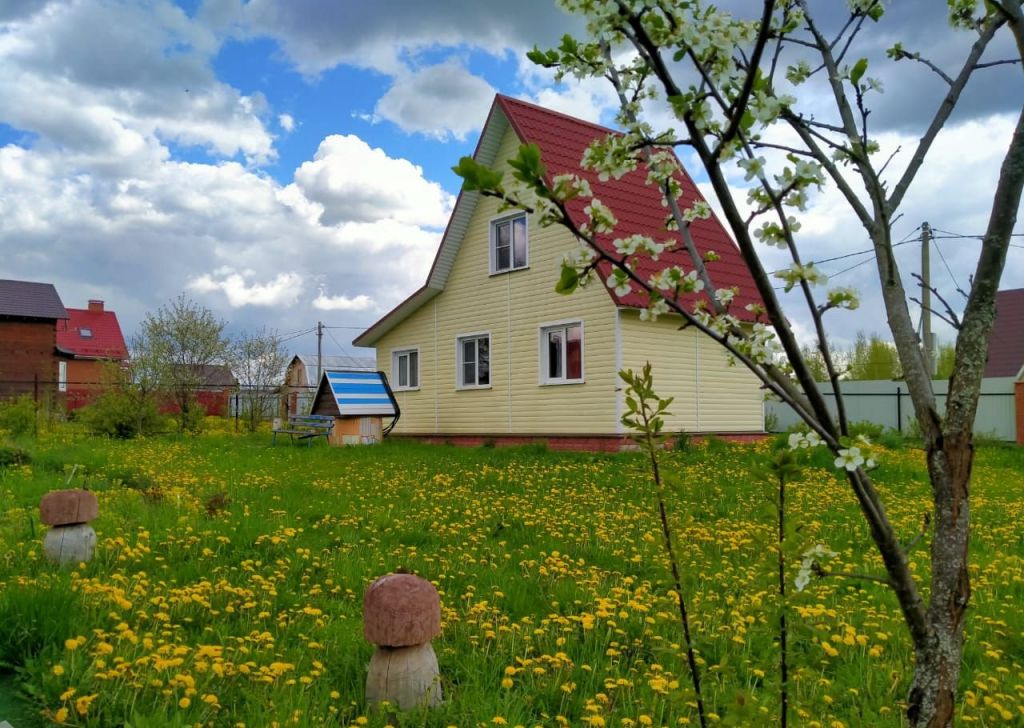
[439, 101]
[283, 290]
[244, 245]
[354, 182]
[287, 122]
[324, 302]
[317, 36]
[111, 82]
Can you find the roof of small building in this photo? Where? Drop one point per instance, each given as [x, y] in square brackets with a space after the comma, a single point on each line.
[334, 363]
[92, 335]
[637, 206]
[27, 299]
[1006, 342]
[216, 375]
[354, 393]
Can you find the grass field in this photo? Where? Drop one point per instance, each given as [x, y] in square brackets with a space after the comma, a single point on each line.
[228, 581]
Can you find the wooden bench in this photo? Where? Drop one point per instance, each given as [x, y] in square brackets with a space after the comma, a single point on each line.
[306, 427]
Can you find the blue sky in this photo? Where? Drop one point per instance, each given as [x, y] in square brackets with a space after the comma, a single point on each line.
[288, 161]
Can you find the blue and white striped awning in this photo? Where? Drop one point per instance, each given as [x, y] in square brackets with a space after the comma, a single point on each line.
[361, 393]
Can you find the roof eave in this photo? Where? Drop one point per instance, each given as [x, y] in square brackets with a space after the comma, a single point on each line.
[451, 240]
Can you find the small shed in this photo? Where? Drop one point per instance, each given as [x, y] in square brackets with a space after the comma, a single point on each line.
[359, 401]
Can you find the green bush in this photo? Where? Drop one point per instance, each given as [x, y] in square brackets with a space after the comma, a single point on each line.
[12, 455]
[121, 415]
[18, 417]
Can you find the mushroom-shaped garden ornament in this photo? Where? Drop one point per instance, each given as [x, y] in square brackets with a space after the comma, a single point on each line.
[401, 615]
[70, 539]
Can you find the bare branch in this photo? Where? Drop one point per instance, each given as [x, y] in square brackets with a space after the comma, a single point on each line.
[942, 113]
[990, 64]
[900, 54]
[951, 317]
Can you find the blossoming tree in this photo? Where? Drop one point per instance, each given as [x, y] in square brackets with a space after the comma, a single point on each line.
[734, 88]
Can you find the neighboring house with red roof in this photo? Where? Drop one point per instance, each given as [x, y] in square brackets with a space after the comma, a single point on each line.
[88, 341]
[487, 348]
[1006, 348]
[1006, 343]
[29, 316]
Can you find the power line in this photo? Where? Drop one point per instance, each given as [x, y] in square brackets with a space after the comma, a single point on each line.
[298, 334]
[343, 349]
[947, 235]
[948, 269]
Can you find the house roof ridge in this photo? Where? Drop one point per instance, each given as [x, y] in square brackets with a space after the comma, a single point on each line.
[563, 140]
[568, 117]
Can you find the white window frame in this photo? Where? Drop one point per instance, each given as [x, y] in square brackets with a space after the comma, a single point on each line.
[459, 339]
[395, 355]
[542, 353]
[493, 243]
[62, 376]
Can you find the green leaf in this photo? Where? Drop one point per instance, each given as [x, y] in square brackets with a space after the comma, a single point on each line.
[527, 165]
[858, 70]
[476, 176]
[568, 280]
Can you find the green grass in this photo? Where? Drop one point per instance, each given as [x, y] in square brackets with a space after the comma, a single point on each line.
[549, 565]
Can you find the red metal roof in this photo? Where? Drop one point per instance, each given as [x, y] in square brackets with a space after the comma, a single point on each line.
[1006, 343]
[637, 206]
[92, 335]
[562, 140]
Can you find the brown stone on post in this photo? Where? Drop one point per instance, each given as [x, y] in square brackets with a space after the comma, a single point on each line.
[401, 614]
[68, 507]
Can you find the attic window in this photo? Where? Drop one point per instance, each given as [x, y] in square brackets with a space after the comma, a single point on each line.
[85, 333]
[508, 244]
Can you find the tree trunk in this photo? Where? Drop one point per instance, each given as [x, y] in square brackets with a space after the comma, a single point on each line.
[933, 691]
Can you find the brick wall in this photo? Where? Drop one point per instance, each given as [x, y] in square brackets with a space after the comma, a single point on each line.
[27, 354]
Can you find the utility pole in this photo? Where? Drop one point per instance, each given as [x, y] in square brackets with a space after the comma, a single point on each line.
[319, 351]
[927, 339]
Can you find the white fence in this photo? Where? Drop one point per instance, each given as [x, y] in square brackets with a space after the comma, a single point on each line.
[886, 402]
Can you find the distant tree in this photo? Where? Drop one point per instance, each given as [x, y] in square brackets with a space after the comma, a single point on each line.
[177, 344]
[258, 362]
[946, 360]
[815, 363]
[873, 358]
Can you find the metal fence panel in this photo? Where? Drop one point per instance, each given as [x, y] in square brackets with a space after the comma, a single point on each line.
[887, 403]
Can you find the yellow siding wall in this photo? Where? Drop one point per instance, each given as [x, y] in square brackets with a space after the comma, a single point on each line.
[710, 396]
[512, 307]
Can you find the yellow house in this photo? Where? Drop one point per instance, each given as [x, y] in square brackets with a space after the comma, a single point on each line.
[487, 350]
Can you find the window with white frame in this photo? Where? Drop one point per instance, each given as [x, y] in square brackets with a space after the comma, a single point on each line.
[474, 360]
[508, 244]
[62, 376]
[405, 369]
[561, 353]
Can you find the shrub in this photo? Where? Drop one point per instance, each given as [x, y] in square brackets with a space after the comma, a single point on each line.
[18, 417]
[118, 414]
[12, 455]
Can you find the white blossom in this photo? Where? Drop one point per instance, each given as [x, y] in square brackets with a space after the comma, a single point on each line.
[849, 458]
[810, 559]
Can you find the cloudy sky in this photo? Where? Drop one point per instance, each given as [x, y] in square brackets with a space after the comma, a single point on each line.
[288, 161]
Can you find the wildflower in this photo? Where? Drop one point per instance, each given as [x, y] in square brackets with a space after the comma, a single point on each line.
[184, 703]
[58, 670]
[849, 458]
[83, 703]
[61, 715]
